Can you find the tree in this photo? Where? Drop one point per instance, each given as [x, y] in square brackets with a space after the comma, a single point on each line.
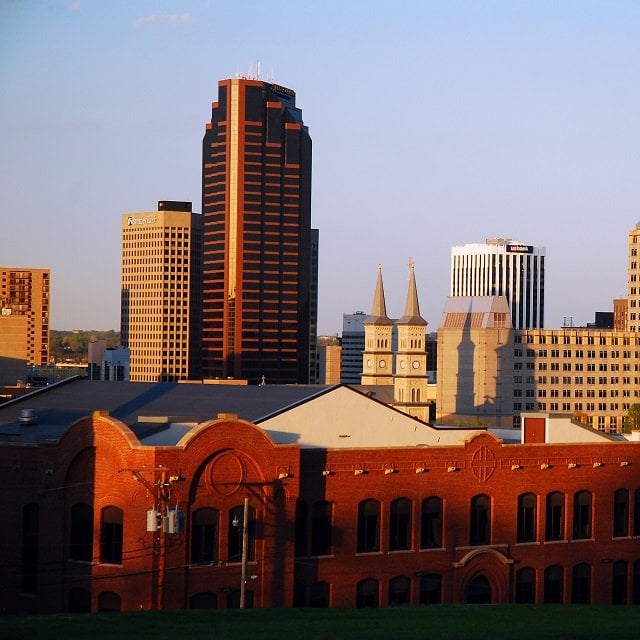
[632, 421]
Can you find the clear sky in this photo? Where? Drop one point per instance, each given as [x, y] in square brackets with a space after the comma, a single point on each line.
[434, 124]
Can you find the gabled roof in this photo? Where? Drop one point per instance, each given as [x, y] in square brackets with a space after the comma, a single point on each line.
[476, 312]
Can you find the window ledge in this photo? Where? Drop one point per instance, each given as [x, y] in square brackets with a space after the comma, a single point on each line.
[583, 539]
[368, 553]
[556, 541]
[530, 543]
[398, 551]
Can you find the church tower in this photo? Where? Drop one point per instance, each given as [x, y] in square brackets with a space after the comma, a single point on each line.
[410, 381]
[377, 358]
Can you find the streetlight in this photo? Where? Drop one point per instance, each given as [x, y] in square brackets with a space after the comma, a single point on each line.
[244, 532]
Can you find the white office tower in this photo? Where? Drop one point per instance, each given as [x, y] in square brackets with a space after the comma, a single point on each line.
[503, 267]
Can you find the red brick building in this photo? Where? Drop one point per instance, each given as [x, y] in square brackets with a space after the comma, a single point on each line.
[135, 507]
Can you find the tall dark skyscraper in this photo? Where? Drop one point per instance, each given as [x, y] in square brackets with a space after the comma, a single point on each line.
[260, 253]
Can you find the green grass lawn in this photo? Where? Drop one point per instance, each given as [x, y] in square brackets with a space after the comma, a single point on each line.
[432, 622]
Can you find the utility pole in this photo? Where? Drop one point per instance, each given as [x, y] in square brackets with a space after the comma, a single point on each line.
[245, 549]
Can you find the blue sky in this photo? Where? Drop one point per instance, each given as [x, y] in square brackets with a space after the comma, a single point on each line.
[434, 124]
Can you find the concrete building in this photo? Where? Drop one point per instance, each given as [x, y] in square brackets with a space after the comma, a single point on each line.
[349, 503]
[352, 347]
[260, 253]
[328, 359]
[24, 318]
[633, 280]
[161, 292]
[502, 267]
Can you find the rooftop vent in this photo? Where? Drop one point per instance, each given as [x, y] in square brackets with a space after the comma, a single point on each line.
[27, 416]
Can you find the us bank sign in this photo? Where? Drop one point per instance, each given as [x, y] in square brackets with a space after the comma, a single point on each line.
[135, 220]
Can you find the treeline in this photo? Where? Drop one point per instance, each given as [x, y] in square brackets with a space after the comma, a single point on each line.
[72, 346]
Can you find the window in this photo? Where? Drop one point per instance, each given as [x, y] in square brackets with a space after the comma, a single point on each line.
[431, 525]
[582, 515]
[400, 525]
[636, 513]
[619, 583]
[527, 503]
[480, 524]
[399, 591]
[234, 548]
[525, 585]
[111, 535]
[204, 536]
[321, 528]
[554, 529]
[620, 513]
[81, 535]
[553, 584]
[30, 527]
[581, 584]
[369, 527]
[367, 593]
[636, 582]
[430, 588]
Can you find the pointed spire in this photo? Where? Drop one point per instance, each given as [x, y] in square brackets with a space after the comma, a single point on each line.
[412, 308]
[379, 308]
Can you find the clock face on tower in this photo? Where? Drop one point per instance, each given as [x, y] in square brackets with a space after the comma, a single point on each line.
[415, 364]
[382, 364]
[402, 364]
[369, 364]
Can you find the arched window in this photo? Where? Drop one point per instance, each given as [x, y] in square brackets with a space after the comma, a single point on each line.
[321, 524]
[203, 600]
[582, 515]
[430, 588]
[204, 536]
[367, 593]
[111, 535]
[525, 586]
[30, 543]
[400, 525]
[621, 513]
[479, 591]
[581, 584]
[619, 583]
[527, 517]
[636, 513]
[399, 591]
[81, 535]
[554, 529]
[109, 601]
[553, 584]
[480, 523]
[431, 524]
[302, 528]
[236, 520]
[368, 526]
[319, 595]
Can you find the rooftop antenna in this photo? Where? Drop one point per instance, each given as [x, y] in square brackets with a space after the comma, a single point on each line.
[257, 69]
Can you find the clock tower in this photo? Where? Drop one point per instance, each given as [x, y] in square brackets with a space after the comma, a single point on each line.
[377, 358]
[410, 380]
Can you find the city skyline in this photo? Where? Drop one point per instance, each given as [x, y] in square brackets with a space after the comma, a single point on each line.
[434, 126]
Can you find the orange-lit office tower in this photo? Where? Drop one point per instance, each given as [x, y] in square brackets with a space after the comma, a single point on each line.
[260, 253]
[24, 314]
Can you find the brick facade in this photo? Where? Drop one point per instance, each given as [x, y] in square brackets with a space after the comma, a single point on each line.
[332, 527]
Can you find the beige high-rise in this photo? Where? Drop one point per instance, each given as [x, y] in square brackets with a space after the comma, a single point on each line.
[161, 292]
[24, 314]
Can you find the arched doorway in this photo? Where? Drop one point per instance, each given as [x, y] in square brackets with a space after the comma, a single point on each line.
[478, 591]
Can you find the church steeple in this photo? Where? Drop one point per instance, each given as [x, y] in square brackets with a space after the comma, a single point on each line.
[379, 307]
[412, 308]
[410, 380]
[377, 358]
